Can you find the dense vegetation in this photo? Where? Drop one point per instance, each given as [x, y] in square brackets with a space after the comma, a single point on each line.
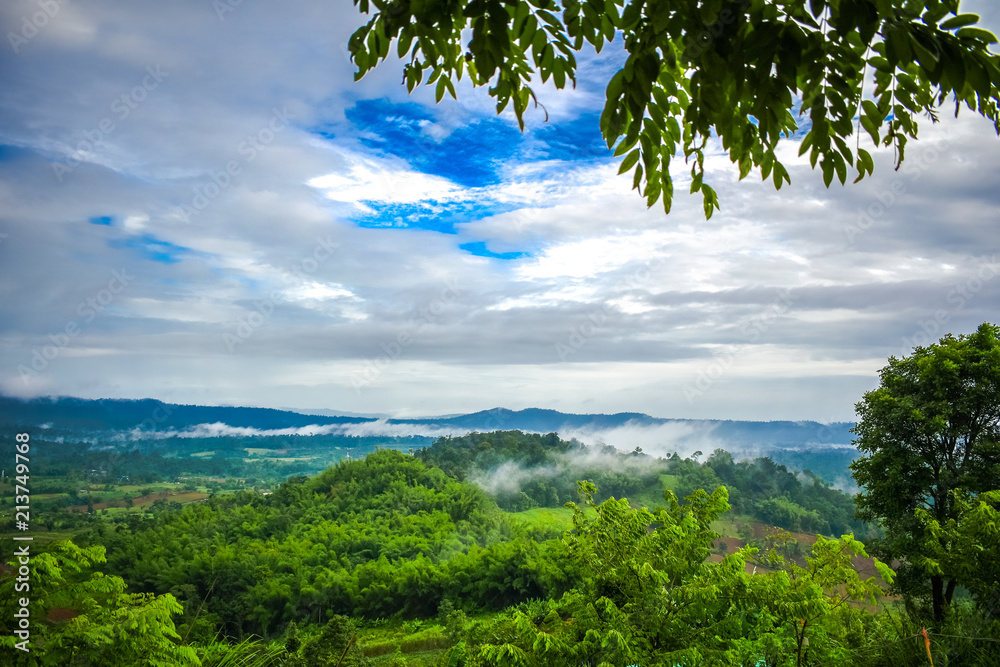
[528, 470]
[930, 442]
[389, 536]
[462, 554]
[371, 538]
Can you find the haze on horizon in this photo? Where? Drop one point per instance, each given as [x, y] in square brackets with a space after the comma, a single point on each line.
[202, 206]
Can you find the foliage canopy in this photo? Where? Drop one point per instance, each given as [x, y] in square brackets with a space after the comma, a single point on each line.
[928, 435]
[747, 71]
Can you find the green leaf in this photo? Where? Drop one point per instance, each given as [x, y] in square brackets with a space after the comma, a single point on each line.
[977, 77]
[828, 170]
[959, 21]
[710, 201]
[871, 110]
[840, 166]
[625, 146]
[405, 39]
[780, 175]
[745, 166]
[898, 43]
[629, 161]
[806, 143]
[871, 127]
[614, 89]
[865, 161]
[979, 34]
[880, 64]
[925, 56]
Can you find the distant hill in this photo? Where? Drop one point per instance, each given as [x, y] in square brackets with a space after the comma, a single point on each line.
[778, 433]
[123, 414]
[104, 415]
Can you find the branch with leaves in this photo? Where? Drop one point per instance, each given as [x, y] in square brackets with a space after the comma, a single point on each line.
[748, 72]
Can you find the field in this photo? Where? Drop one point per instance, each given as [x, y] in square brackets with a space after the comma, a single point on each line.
[422, 642]
[145, 502]
[546, 518]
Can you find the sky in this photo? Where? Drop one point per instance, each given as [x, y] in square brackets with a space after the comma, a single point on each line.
[199, 204]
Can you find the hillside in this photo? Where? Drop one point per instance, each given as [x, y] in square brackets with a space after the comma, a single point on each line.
[468, 551]
[152, 415]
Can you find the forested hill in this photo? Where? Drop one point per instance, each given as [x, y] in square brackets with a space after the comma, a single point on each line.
[121, 414]
[391, 534]
[526, 470]
[740, 432]
[396, 560]
[148, 414]
[371, 538]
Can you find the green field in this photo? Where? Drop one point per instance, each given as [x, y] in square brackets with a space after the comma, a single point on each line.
[281, 459]
[547, 518]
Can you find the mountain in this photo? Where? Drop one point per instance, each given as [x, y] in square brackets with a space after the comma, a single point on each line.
[124, 414]
[119, 415]
[778, 433]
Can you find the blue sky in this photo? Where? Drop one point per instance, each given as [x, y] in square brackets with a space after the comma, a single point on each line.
[221, 214]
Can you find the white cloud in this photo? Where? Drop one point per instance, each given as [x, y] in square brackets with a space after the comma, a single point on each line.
[367, 180]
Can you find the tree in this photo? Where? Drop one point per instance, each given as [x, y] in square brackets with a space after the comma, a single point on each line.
[642, 596]
[968, 546]
[335, 646]
[108, 626]
[931, 427]
[747, 71]
[807, 610]
[645, 594]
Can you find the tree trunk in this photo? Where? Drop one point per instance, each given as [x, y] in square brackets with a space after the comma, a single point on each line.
[949, 592]
[937, 597]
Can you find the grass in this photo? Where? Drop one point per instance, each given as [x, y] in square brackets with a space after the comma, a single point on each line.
[669, 482]
[421, 637]
[547, 518]
[132, 489]
[185, 497]
[40, 538]
[417, 659]
[280, 459]
[726, 527]
[48, 496]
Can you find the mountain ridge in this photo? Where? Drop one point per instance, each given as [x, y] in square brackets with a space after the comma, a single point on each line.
[153, 414]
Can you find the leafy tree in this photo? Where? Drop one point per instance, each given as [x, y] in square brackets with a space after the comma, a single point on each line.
[967, 547]
[641, 596]
[335, 646]
[747, 71]
[110, 627]
[807, 609]
[930, 428]
[644, 594]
